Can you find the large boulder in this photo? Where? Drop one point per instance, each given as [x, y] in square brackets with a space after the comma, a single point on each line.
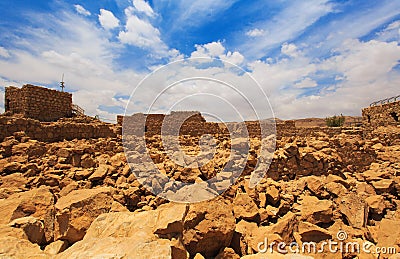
[134, 235]
[316, 211]
[37, 203]
[354, 209]
[77, 210]
[244, 207]
[12, 247]
[208, 227]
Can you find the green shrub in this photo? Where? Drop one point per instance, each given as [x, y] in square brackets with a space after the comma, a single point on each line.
[335, 121]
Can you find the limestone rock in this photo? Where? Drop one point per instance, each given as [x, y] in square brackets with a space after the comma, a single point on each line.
[113, 247]
[312, 233]
[383, 186]
[354, 209]
[227, 253]
[133, 235]
[376, 204]
[208, 227]
[76, 211]
[170, 219]
[100, 173]
[37, 203]
[12, 247]
[33, 228]
[285, 226]
[244, 207]
[56, 247]
[316, 211]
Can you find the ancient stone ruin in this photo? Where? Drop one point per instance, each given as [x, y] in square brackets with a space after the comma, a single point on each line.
[38, 103]
[67, 190]
[382, 113]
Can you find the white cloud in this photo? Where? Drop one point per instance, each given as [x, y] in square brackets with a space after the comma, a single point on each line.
[390, 33]
[360, 22]
[290, 50]
[393, 25]
[142, 34]
[144, 7]
[81, 10]
[291, 22]
[4, 52]
[213, 49]
[68, 43]
[364, 62]
[108, 20]
[306, 83]
[217, 50]
[363, 72]
[255, 32]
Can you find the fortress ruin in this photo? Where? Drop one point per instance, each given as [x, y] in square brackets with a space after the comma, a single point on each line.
[38, 103]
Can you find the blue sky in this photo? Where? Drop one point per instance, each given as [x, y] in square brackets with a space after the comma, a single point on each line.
[312, 58]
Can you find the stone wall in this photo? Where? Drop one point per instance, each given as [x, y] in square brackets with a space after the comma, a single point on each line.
[382, 115]
[196, 125]
[54, 131]
[38, 103]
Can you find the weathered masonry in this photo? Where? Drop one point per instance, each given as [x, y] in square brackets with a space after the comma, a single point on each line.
[382, 113]
[38, 103]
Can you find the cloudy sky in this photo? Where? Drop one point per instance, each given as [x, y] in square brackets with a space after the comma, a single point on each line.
[312, 58]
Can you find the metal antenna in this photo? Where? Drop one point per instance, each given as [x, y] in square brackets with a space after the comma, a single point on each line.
[62, 83]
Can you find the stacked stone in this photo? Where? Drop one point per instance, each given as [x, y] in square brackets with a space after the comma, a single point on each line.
[54, 131]
[38, 102]
[382, 115]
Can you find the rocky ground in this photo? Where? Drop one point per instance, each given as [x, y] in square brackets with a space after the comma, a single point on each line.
[79, 199]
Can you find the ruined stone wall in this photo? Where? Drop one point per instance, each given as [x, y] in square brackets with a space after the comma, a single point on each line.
[38, 102]
[382, 115]
[54, 131]
[196, 125]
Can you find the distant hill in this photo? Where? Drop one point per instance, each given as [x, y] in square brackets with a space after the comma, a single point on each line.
[320, 122]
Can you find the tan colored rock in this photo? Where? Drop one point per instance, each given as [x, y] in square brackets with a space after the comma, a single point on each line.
[56, 247]
[118, 207]
[16, 180]
[82, 174]
[33, 228]
[285, 226]
[87, 161]
[37, 203]
[316, 211]
[227, 253]
[170, 219]
[336, 189]
[11, 167]
[7, 231]
[198, 256]
[383, 186]
[76, 211]
[355, 209]
[376, 204]
[132, 234]
[244, 207]
[316, 186]
[312, 233]
[208, 227]
[100, 173]
[386, 233]
[12, 247]
[273, 194]
[113, 247]
[276, 255]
